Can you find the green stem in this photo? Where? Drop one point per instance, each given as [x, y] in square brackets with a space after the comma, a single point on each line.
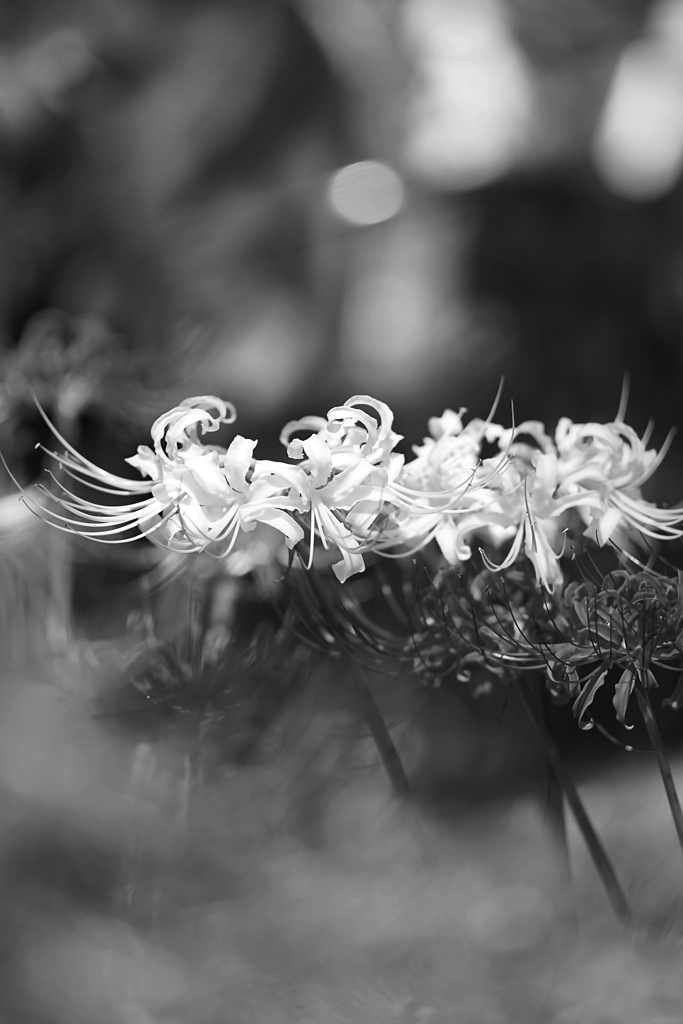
[391, 760]
[597, 851]
[662, 759]
[381, 735]
[555, 794]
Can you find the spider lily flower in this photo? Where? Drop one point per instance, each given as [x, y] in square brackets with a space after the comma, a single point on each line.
[349, 468]
[483, 624]
[201, 496]
[612, 462]
[511, 498]
[478, 623]
[452, 494]
[530, 500]
[524, 504]
[329, 496]
[347, 487]
[630, 620]
[350, 434]
[596, 469]
[446, 460]
[446, 484]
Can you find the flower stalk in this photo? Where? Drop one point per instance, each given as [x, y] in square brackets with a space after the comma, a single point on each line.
[645, 704]
[599, 856]
[380, 734]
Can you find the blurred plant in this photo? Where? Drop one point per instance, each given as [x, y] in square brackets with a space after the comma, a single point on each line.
[66, 362]
[43, 76]
[34, 610]
[192, 693]
[217, 695]
[75, 366]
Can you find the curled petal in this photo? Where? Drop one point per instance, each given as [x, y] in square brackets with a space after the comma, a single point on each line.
[532, 428]
[319, 459]
[146, 462]
[350, 564]
[622, 695]
[275, 517]
[177, 429]
[585, 698]
[237, 462]
[448, 425]
[307, 423]
[606, 524]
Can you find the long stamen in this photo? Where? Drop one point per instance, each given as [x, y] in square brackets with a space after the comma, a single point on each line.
[623, 400]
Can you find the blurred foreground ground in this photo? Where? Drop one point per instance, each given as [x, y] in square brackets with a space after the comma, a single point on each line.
[294, 890]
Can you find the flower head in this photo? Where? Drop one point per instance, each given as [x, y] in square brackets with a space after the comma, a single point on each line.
[608, 464]
[201, 495]
[522, 498]
[348, 467]
[498, 624]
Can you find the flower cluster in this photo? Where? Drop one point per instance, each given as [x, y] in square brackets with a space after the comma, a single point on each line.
[633, 621]
[524, 495]
[346, 487]
[480, 626]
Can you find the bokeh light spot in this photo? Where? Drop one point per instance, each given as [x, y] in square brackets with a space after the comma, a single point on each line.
[638, 145]
[366, 193]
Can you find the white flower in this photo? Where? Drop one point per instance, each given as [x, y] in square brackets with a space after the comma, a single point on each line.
[349, 466]
[445, 482]
[350, 490]
[446, 461]
[520, 505]
[610, 462]
[595, 468]
[201, 496]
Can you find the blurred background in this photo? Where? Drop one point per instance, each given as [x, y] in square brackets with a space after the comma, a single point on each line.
[286, 202]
